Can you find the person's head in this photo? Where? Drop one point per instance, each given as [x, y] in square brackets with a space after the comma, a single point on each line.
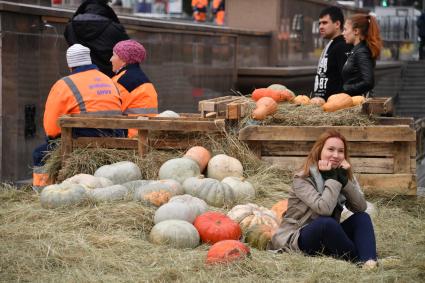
[361, 27]
[330, 146]
[78, 55]
[331, 22]
[127, 52]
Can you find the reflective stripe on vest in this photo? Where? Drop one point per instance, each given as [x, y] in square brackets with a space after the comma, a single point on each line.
[76, 94]
[130, 111]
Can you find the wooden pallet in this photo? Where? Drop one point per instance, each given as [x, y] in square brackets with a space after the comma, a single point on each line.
[383, 156]
[191, 124]
[226, 107]
[379, 106]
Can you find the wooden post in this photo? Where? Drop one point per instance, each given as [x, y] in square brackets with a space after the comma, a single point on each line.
[255, 147]
[66, 143]
[401, 157]
[142, 142]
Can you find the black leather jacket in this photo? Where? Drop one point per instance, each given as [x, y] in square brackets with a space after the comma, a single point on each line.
[358, 72]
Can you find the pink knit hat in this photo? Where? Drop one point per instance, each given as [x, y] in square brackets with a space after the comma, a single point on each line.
[130, 51]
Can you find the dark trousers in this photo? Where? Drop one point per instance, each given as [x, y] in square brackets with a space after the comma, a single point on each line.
[353, 239]
[422, 49]
[40, 152]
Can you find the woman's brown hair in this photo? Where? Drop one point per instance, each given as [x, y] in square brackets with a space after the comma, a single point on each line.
[369, 31]
[315, 152]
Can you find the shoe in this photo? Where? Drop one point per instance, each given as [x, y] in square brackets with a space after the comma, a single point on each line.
[370, 265]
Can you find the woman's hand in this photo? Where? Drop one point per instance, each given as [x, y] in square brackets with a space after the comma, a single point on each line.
[324, 165]
[344, 164]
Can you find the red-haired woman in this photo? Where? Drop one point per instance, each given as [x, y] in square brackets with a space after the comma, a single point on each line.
[362, 31]
[311, 223]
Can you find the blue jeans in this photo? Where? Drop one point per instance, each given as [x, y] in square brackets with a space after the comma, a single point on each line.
[353, 239]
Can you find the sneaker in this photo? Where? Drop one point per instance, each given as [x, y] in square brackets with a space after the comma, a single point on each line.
[370, 265]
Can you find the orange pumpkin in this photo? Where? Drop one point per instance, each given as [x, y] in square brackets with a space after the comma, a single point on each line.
[227, 251]
[215, 226]
[276, 95]
[337, 102]
[199, 154]
[280, 208]
[301, 100]
[317, 101]
[358, 100]
[264, 107]
[157, 198]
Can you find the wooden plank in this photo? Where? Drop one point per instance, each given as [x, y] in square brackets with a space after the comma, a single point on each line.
[311, 133]
[142, 142]
[111, 123]
[401, 157]
[360, 165]
[388, 183]
[378, 105]
[395, 121]
[66, 143]
[106, 142]
[210, 104]
[302, 148]
[255, 147]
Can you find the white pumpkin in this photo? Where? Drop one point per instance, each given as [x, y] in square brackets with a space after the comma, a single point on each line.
[120, 172]
[243, 190]
[64, 194]
[168, 114]
[371, 210]
[133, 185]
[197, 205]
[90, 181]
[112, 193]
[222, 166]
[179, 169]
[175, 233]
[212, 191]
[171, 186]
[174, 210]
[248, 215]
[277, 87]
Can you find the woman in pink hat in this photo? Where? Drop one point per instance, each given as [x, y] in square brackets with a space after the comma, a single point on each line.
[139, 97]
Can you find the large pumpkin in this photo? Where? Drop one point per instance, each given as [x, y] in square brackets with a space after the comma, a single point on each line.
[317, 101]
[280, 208]
[227, 251]
[174, 210]
[242, 190]
[358, 100]
[265, 106]
[64, 194]
[133, 185]
[90, 181]
[301, 100]
[175, 233]
[171, 186]
[212, 191]
[120, 172]
[222, 166]
[259, 236]
[197, 205]
[248, 215]
[111, 193]
[199, 154]
[216, 226]
[179, 169]
[337, 102]
[277, 87]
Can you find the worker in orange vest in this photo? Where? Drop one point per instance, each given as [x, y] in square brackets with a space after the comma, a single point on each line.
[138, 94]
[218, 11]
[199, 8]
[86, 90]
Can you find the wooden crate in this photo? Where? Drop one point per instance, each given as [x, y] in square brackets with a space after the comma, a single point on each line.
[383, 156]
[227, 107]
[146, 126]
[379, 106]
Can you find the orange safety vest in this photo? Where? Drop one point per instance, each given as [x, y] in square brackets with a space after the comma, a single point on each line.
[199, 8]
[138, 95]
[218, 11]
[89, 91]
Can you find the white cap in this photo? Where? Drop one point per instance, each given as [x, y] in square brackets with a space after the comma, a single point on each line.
[78, 55]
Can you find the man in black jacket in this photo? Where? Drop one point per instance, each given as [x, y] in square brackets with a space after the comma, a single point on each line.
[328, 79]
[96, 26]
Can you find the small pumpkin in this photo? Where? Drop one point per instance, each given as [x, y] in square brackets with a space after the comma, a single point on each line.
[280, 208]
[317, 101]
[259, 236]
[199, 154]
[197, 205]
[265, 106]
[277, 87]
[358, 100]
[227, 251]
[157, 198]
[61, 195]
[171, 186]
[222, 166]
[248, 215]
[243, 190]
[111, 193]
[216, 226]
[301, 100]
[179, 169]
[120, 172]
[174, 210]
[90, 181]
[337, 102]
[212, 191]
[175, 233]
[168, 114]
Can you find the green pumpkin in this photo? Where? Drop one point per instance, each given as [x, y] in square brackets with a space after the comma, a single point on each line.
[61, 195]
[175, 233]
[212, 191]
